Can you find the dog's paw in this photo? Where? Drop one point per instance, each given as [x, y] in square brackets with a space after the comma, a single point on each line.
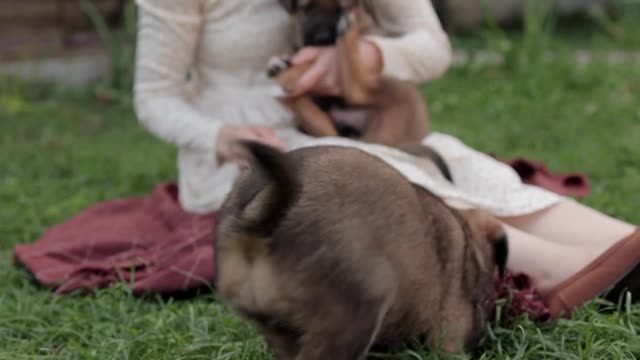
[344, 24]
[277, 65]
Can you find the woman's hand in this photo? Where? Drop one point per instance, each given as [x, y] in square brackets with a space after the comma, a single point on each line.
[227, 148]
[323, 77]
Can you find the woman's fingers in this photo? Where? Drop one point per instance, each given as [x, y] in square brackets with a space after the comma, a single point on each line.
[228, 148]
[268, 137]
[310, 78]
[306, 55]
[322, 76]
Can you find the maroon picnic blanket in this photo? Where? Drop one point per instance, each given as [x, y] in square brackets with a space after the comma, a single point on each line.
[154, 246]
[148, 242]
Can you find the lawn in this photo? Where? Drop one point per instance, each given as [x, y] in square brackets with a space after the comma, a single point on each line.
[62, 150]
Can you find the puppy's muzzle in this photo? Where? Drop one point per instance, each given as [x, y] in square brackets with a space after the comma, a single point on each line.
[320, 35]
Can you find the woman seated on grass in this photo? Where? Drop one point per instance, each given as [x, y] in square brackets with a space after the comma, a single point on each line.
[571, 252]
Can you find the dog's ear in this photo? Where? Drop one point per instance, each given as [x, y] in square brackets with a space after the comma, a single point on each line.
[279, 189]
[494, 233]
[498, 240]
[259, 201]
[500, 252]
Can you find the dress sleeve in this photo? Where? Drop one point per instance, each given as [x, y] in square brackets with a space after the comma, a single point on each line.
[414, 45]
[168, 35]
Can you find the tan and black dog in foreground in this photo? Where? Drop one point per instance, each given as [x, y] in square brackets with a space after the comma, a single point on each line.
[396, 111]
[327, 267]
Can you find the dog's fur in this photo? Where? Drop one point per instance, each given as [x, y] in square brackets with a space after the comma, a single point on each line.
[396, 110]
[326, 267]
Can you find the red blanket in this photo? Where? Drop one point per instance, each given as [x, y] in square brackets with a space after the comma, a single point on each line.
[153, 245]
[149, 242]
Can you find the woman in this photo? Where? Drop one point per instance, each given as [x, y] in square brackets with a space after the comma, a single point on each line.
[201, 85]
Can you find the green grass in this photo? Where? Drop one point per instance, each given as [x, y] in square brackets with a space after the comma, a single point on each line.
[61, 151]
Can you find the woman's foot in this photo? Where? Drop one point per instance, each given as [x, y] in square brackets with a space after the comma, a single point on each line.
[630, 283]
[618, 267]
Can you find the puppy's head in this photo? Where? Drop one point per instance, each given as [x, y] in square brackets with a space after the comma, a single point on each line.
[247, 277]
[250, 215]
[318, 19]
[487, 252]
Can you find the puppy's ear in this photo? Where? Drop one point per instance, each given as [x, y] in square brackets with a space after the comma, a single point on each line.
[493, 231]
[269, 203]
[290, 5]
[499, 241]
[500, 253]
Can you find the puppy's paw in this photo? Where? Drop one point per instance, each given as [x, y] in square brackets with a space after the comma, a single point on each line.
[344, 24]
[277, 65]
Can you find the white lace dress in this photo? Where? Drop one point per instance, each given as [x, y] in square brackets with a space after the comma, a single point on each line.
[201, 64]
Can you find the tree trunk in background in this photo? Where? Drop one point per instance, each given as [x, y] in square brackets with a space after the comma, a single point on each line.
[32, 28]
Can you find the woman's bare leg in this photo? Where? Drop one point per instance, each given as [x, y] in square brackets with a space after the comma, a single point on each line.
[574, 224]
[547, 263]
[582, 252]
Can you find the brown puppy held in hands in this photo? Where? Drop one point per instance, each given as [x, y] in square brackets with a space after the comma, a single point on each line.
[396, 110]
[326, 267]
